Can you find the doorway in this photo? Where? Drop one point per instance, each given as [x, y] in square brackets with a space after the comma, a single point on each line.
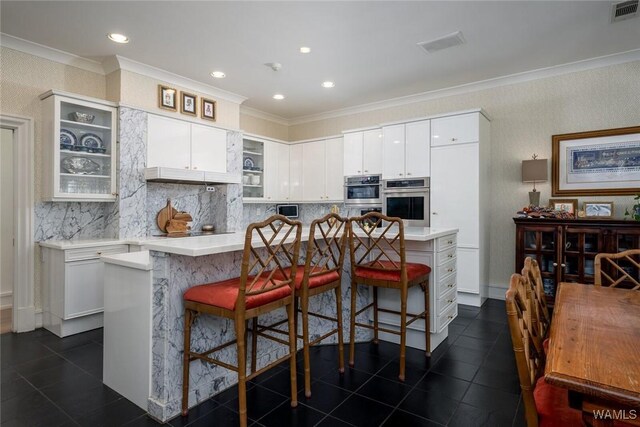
[7, 236]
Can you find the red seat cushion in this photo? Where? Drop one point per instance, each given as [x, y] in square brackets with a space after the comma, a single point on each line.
[318, 279]
[552, 405]
[224, 294]
[369, 271]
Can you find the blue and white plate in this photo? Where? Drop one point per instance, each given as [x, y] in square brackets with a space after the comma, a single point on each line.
[91, 142]
[248, 163]
[67, 139]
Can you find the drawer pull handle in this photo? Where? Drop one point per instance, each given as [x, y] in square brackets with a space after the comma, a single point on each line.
[449, 242]
[451, 285]
[450, 256]
[99, 253]
[449, 301]
[449, 270]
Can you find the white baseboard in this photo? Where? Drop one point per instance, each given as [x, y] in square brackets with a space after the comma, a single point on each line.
[497, 292]
[39, 322]
[6, 299]
[25, 318]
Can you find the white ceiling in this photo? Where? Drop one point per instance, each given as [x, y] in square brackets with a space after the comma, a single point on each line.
[367, 47]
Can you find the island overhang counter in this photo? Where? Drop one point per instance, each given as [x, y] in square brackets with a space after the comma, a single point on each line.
[144, 313]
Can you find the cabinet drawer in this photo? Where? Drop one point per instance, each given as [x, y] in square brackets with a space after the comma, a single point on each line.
[446, 242]
[443, 303]
[455, 129]
[445, 285]
[442, 320]
[446, 255]
[93, 253]
[446, 269]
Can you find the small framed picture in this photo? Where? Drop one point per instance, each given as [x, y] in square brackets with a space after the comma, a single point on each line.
[188, 104]
[167, 98]
[598, 209]
[208, 109]
[567, 205]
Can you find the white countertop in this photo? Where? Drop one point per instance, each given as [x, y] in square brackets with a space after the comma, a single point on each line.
[219, 243]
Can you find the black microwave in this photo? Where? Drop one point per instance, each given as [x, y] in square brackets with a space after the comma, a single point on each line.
[290, 211]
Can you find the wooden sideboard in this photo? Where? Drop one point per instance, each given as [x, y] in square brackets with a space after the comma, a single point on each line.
[565, 248]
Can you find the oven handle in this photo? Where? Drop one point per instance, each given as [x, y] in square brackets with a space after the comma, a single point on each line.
[406, 190]
[363, 185]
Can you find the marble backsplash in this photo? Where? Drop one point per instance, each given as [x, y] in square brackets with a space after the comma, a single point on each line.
[255, 212]
[71, 220]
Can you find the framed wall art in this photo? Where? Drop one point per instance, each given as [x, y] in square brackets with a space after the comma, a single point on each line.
[188, 104]
[167, 97]
[596, 163]
[598, 209]
[208, 109]
[566, 205]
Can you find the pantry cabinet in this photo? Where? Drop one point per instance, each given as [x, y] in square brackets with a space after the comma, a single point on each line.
[363, 152]
[405, 150]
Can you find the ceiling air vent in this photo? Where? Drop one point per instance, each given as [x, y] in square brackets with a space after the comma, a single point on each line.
[445, 42]
[624, 10]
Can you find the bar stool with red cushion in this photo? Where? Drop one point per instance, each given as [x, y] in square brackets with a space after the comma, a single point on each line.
[544, 404]
[264, 285]
[378, 260]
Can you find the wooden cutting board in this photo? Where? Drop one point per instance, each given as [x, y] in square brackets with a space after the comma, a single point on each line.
[165, 215]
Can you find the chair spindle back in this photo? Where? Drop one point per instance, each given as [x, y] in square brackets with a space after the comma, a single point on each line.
[327, 246]
[621, 270]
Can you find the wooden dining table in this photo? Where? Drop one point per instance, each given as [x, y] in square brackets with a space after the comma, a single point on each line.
[594, 351]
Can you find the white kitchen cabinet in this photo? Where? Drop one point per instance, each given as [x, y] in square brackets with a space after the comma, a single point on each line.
[73, 287]
[178, 144]
[363, 152]
[314, 171]
[334, 180]
[393, 147]
[417, 150]
[276, 171]
[405, 150]
[457, 129]
[208, 148]
[168, 142]
[295, 172]
[79, 158]
[460, 189]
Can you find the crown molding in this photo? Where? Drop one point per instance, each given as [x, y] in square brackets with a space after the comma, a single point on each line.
[249, 111]
[526, 76]
[50, 53]
[127, 64]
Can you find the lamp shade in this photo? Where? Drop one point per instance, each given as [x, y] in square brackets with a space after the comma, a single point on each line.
[534, 170]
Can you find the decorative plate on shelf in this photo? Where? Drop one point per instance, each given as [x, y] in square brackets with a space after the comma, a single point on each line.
[92, 143]
[248, 163]
[80, 166]
[67, 139]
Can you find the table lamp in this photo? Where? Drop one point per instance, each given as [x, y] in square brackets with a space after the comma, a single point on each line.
[534, 170]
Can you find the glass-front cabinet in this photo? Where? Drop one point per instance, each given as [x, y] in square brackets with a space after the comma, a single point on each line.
[566, 249]
[79, 147]
[252, 169]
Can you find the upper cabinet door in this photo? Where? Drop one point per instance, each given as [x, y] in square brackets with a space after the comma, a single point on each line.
[313, 174]
[372, 152]
[393, 152]
[208, 149]
[283, 172]
[417, 147]
[168, 143]
[455, 129]
[272, 163]
[353, 153]
[334, 188]
[295, 172]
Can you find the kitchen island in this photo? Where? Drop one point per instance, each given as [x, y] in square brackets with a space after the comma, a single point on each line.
[144, 313]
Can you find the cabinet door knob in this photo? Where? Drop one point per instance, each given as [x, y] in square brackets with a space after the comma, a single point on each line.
[359, 171]
[408, 173]
[563, 265]
[115, 194]
[366, 170]
[195, 167]
[454, 139]
[99, 253]
[555, 264]
[449, 270]
[449, 241]
[449, 317]
[186, 167]
[400, 174]
[450, 256]
[269, 197]
[451, 285]
[449, 301]
[434, 213]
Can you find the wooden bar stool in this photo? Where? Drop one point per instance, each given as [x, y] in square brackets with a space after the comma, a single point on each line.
[264, 285]
[378, 260]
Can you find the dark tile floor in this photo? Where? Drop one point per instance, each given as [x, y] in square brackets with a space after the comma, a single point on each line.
[470, 380]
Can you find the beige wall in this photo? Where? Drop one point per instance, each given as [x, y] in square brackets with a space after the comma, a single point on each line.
[135, 90]
[262, 127]
[524, 116]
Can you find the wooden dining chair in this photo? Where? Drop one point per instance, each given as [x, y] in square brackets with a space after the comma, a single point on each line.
[378, 259]
[610, 271]
[321, 272]
[266, 283]
[540, 314]
[545, 405]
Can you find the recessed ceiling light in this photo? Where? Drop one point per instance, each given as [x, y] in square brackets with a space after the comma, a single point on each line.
[278, 96]
[305, 49]
[218, 74]
[118, 38]
[328, 84]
